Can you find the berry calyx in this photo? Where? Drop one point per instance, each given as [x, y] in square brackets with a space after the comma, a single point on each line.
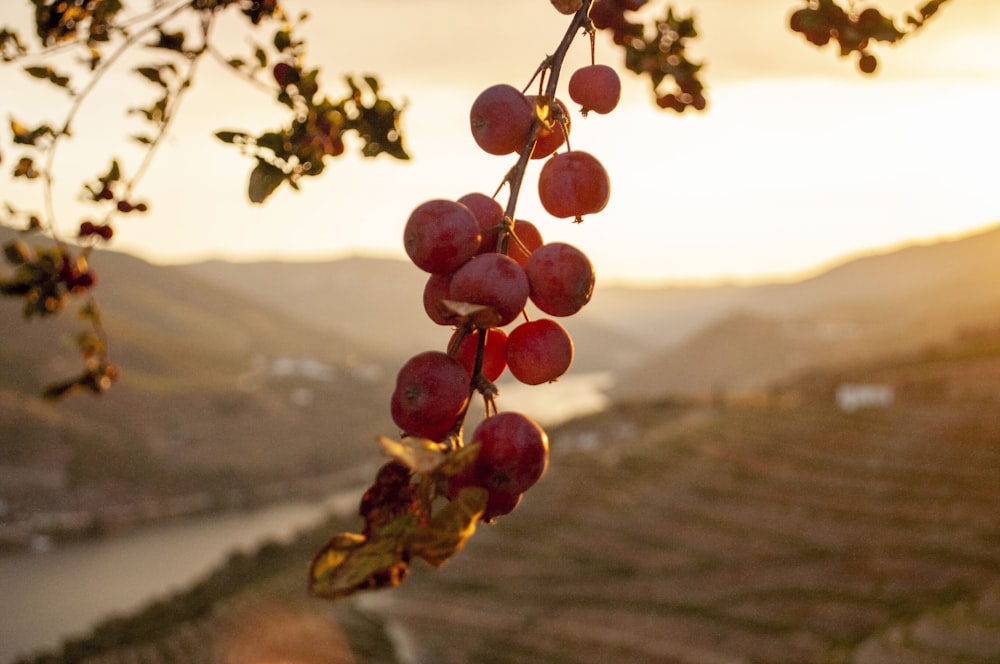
[572, 184]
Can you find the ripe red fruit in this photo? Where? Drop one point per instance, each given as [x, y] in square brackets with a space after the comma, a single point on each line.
[528, 239]
[440, 235]
[435, 290]
[431, 390]
[494, 353]
[595, 88]
[501, 119]
[514, 452]
[539, 351]
[489, 213]
[549, 139]
[498, 501]
[493, 280]
[572, 184]
[560, 278]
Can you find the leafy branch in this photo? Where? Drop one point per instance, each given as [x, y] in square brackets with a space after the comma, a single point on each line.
[47, 278]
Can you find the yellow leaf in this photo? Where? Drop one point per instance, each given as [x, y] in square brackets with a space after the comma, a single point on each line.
[350, 562]
[418, 454]
[450, 528]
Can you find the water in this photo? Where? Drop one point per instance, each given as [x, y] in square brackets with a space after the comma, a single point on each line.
[65, 592]
[45, 597]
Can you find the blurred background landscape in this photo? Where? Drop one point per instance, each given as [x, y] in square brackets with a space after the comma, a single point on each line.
[779, 441]
[797, 471]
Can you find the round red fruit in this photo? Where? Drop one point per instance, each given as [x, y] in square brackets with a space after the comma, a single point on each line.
[498, 501]
[572, 184]
[501, 119]
[526, 239]
[493, 280]
[539, 351]
[560, 278]
[435, 290]
[595, 88]
[494, 352]
[489, 214]
[440, 235]
[431, 391]
[514, 452]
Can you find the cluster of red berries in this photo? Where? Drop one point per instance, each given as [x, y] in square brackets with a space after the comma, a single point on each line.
[484, 268]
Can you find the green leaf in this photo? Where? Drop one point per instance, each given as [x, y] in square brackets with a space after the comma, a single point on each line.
[264, 179]
[261, 57]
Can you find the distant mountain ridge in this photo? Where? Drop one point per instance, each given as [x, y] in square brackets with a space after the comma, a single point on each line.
[907, 295]
[277, 370]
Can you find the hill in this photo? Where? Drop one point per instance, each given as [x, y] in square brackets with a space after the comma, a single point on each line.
[374, 299]
[767, 531]
[212, 386]
[746, 338]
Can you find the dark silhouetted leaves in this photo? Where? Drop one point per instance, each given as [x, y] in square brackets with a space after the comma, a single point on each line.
[26, 136]
[824, 21]
[48, 74]
[657, 51]
[264, 179]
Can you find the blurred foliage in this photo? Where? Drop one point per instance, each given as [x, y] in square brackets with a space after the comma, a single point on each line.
[76, 44]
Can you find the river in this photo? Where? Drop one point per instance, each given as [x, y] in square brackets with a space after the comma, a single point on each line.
[66, 591]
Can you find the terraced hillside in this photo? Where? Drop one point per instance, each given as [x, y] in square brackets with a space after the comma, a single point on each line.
[778, 531]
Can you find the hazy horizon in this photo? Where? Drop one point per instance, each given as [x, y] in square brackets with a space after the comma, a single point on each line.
[798, 162]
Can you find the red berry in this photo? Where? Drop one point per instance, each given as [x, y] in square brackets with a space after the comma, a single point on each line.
[440, 235]
[501, 119]
[528, 238]
[498, 501]
[596, 88]
[489, 213]
[435, 290]
[494, 353]
[431, 391]
[539, 351]
[560, 278]
[514, 452]
[573, 184]
[493, 280]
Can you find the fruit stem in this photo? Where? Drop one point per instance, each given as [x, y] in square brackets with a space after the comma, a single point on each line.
[554, 62]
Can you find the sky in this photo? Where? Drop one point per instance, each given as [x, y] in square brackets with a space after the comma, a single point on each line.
[799, 162]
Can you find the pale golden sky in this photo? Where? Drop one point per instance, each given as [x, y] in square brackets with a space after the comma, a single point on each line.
[798, 162]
